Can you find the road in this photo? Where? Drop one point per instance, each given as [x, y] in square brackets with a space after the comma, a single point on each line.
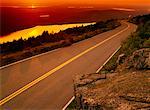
[45, 82]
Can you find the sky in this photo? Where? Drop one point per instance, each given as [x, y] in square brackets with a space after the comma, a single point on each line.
[75, 2]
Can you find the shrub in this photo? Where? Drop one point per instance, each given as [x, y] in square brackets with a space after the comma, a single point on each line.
[132, 43]
[146, 43]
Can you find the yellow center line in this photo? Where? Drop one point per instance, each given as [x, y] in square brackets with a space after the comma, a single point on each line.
[29, 85]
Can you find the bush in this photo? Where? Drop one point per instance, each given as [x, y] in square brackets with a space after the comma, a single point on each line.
[132, 43]
[146, 43]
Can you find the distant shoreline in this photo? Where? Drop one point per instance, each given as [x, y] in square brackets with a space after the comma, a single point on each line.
[65, 23]
[38, 30]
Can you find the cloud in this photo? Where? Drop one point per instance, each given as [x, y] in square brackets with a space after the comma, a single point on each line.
[88, 7]
[44, 16]
[124, 9]
[82, 7]
[71, 7]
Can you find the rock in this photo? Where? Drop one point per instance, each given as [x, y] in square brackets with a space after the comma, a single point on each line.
[127, 91]
[82, 80]
[140, 59]
[120, 59]
[81, 83]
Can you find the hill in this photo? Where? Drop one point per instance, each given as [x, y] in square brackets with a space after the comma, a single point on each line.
[124, 82]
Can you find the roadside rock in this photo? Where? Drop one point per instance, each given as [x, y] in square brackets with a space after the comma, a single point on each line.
[120, 92]
[140, 59]
[81, 85]
[120, 59]
[84, 79]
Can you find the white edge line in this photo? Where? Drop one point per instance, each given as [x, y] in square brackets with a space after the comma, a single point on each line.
[35, 56]
[64, 108]
[98, 70]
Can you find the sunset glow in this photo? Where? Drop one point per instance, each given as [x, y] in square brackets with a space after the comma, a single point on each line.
[124, 9]
[33, 6]
[86, 2]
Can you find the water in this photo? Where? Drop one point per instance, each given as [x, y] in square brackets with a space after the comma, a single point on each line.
[38, 30]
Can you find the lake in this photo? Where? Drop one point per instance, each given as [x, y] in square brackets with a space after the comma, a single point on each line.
[38, 30]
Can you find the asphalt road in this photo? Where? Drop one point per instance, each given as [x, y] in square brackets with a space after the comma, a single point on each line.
[45, 82]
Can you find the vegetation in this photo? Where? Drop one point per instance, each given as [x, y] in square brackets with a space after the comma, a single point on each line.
[138, 40]
[140, 19]
[66, 35]
[72, 105]
[122, 89]
[20, 49]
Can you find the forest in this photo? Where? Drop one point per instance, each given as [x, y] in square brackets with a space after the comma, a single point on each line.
[66, 36]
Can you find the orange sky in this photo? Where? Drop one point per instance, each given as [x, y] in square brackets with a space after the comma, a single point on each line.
[59, 2]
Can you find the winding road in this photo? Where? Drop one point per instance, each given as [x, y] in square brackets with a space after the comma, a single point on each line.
[44, 82]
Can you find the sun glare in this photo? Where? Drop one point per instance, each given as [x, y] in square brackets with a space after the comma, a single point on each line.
[33, 7]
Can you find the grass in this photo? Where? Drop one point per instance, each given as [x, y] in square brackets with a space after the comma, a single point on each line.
[72, 106]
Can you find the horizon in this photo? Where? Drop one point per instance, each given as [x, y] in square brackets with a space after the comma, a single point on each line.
[92, 3]
[104, 7]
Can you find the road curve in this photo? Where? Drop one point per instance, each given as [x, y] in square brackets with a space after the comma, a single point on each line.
[45, 82]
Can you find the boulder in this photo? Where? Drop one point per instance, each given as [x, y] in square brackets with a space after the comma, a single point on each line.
[121, 58]
[140, 59]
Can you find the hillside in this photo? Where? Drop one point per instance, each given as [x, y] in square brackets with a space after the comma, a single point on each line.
[124, 82]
